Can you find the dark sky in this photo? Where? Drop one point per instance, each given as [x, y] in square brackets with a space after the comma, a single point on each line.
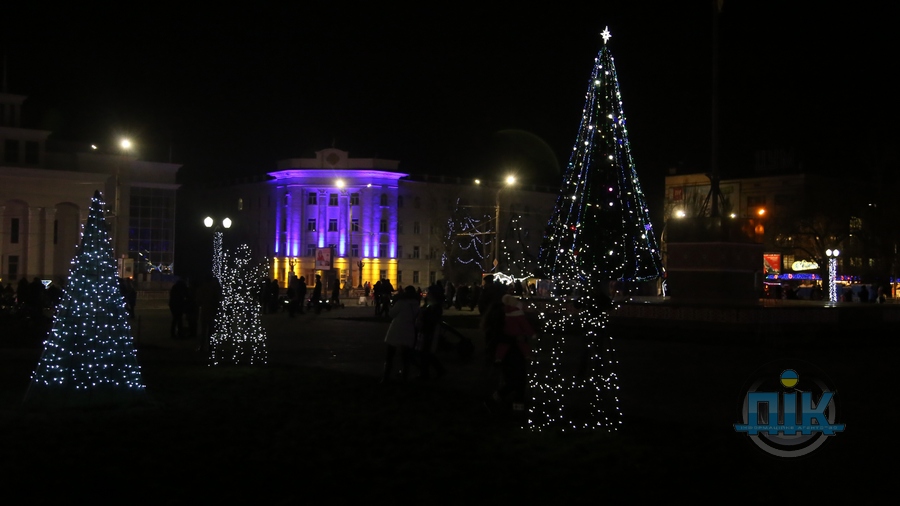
[458, 90]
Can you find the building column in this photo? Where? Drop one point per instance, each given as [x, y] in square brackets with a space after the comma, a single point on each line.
[33, 247]
[3, 272]
[48, 246]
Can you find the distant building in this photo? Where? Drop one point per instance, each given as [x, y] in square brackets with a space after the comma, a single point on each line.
[797, 217]
[375, 222]
[46, 188]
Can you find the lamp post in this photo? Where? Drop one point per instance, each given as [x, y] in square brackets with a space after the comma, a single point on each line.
[125, 145]
[509, 181]
[217, 243]
[832, 255]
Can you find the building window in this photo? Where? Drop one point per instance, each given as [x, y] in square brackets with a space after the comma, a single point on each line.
[383, 226]
[11, 151]
[399, 277]
[416, 228]
[332, 199]
[415, 277]
[431, 277]
[311, 225]
[354, 199]
[354, 226]
[756, 201]
[310, 250]
[400, 227]
[384, 199]
[382, 274]
[415, 253]
[13, 267]
[151, 229]
[14, 231]
[382, 251]
[332, 225]
[312, 199]
[399, 200]
[354, 250]
[400, 251]
[31, 152]
[240, 204]
[55, 231]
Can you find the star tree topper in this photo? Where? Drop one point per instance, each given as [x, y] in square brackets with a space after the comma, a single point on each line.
[605, 34]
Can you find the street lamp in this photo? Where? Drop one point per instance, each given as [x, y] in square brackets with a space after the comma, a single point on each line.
[126, 145]
[510, 180]
[832, 255]
[217, 243]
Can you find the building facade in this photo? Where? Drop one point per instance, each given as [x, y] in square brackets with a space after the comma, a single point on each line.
[46, 188]
[798, 217]
[368, 221]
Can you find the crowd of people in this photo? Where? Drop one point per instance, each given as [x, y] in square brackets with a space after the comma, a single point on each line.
[415, 332]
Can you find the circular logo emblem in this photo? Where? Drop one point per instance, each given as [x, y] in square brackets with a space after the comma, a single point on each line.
[789, 408]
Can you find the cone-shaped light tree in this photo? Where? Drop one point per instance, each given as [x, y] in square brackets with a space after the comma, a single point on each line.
[599, 232]
[89, 357]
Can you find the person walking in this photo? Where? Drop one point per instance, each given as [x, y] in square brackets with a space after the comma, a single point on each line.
[192, 308]
[401, 334]
[177, 304]
[317, 295]
[335, 300]
[294, 300]
[387, 294]
[376, 297]
[301, 293]
[513, 353]
[428, 324]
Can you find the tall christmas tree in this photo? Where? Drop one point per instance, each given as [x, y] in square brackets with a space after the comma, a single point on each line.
[89, 357]
[599, 232]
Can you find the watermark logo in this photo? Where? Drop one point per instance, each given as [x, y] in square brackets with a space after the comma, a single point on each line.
[789, 409]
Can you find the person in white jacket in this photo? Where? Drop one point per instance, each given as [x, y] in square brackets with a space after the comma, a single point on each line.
[401, 334]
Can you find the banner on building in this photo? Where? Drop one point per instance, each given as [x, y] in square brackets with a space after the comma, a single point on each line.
[323, 259]
[772, 263]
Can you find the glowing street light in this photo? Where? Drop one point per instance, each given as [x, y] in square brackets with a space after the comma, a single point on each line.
[217, 243]
[832, 255]
[509, 181]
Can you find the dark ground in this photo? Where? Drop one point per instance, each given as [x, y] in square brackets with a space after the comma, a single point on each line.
[315, 426]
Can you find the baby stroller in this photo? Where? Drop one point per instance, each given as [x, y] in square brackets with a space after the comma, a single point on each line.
[450, 339]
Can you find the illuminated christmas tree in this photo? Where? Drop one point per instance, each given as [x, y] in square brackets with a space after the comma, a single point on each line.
[599, 232]
[517, 260]
[468, 237]
[89, 357]
[239, 337]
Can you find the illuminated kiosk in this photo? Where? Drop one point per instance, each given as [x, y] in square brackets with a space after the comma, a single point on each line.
[714, 260]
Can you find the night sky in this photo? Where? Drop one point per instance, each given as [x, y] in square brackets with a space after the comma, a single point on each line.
[460, 90]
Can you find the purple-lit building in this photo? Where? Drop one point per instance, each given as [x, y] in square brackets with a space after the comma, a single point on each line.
[371, 221]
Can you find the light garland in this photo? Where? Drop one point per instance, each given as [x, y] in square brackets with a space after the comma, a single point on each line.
[239, 337]
[89, 356]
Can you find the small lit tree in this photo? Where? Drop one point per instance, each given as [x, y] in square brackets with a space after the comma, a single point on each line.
[89, 356]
